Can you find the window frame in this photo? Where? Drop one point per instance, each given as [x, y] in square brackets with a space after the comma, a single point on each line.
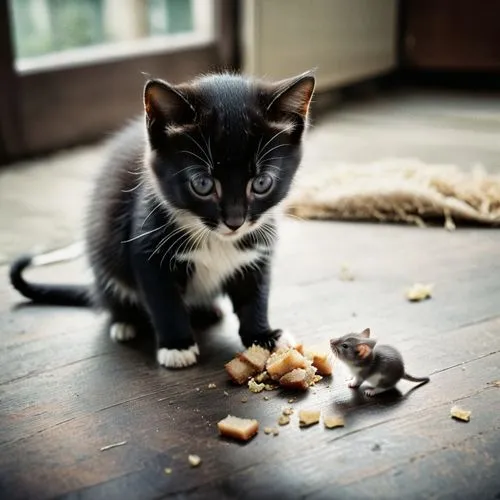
[50, 108]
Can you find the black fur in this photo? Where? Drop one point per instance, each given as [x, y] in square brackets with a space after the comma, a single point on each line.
[224, 134]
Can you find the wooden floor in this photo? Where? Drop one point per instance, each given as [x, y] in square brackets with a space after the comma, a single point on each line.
[66, 390]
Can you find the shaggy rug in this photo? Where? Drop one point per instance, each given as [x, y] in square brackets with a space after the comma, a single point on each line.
[398, 190]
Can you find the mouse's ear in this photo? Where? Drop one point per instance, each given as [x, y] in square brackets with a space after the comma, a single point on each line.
[365, 348]
[366, 333]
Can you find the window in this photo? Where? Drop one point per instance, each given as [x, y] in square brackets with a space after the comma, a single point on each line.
[73, 70]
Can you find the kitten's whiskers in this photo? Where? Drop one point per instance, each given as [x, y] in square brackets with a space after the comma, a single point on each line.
[145, 234]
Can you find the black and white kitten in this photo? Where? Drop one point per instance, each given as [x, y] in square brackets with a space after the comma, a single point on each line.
[184, 211]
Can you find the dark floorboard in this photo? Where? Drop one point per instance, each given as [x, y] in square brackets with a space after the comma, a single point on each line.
[66, 390]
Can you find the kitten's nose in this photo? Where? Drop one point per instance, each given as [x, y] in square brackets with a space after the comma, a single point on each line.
[234, 222]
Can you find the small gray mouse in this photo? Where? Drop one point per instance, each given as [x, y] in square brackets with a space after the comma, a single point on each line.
[381, 366]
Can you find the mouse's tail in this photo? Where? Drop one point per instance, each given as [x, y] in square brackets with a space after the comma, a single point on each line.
[64, 295]
[411, 378]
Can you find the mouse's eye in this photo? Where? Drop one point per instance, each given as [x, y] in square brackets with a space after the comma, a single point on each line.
[344, 346]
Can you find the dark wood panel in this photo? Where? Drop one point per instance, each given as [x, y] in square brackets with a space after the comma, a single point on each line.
[11, 139]
[452, 34]
[83, 103]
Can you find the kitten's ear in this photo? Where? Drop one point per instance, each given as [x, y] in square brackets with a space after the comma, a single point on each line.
[366, 333]
[165, 104]
[291, 97]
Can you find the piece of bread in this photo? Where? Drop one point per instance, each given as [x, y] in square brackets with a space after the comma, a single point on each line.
[241, 429]
[322, 363]
[300, 348]
[285, 361]
[240, 371]
[332, 421]
[296, 379]
[309, 417]
[256, 356]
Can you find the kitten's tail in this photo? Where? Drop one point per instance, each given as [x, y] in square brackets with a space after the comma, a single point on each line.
[409, 377]
[64, 295]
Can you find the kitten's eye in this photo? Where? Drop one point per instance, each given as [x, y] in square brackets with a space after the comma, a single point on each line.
[202, 185]
[262, 184]
[344, 346]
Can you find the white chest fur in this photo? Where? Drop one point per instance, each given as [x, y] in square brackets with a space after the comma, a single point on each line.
[214, 263]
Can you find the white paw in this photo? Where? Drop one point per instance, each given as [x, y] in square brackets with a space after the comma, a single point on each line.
[354, 383]
[121, 332]
[175, 358]
[373, 391]
[286, 340]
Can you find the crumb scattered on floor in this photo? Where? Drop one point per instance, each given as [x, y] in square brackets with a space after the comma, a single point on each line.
[346, 274]
[460, 414]
[168, 470]
[419, 291]
[283, 420]
[212, 386]
[309, 417]
[255, 387]
[333, 421]
[194, 460]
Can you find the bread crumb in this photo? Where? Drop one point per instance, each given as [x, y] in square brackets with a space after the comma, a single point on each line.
[226, 393]
[253, 386]
[460, 414]
[268, 430]
[266, 398]
[270, 387]
[262, 377]
[212, 386]
[291, 400]
[308, 417]
[194, 460]
[419, 291]
[276, 432]
[287, 411]
[346, 274]
[244, 400]
[283, 420]
[332, 421]
[168, 471]
[238, 428]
